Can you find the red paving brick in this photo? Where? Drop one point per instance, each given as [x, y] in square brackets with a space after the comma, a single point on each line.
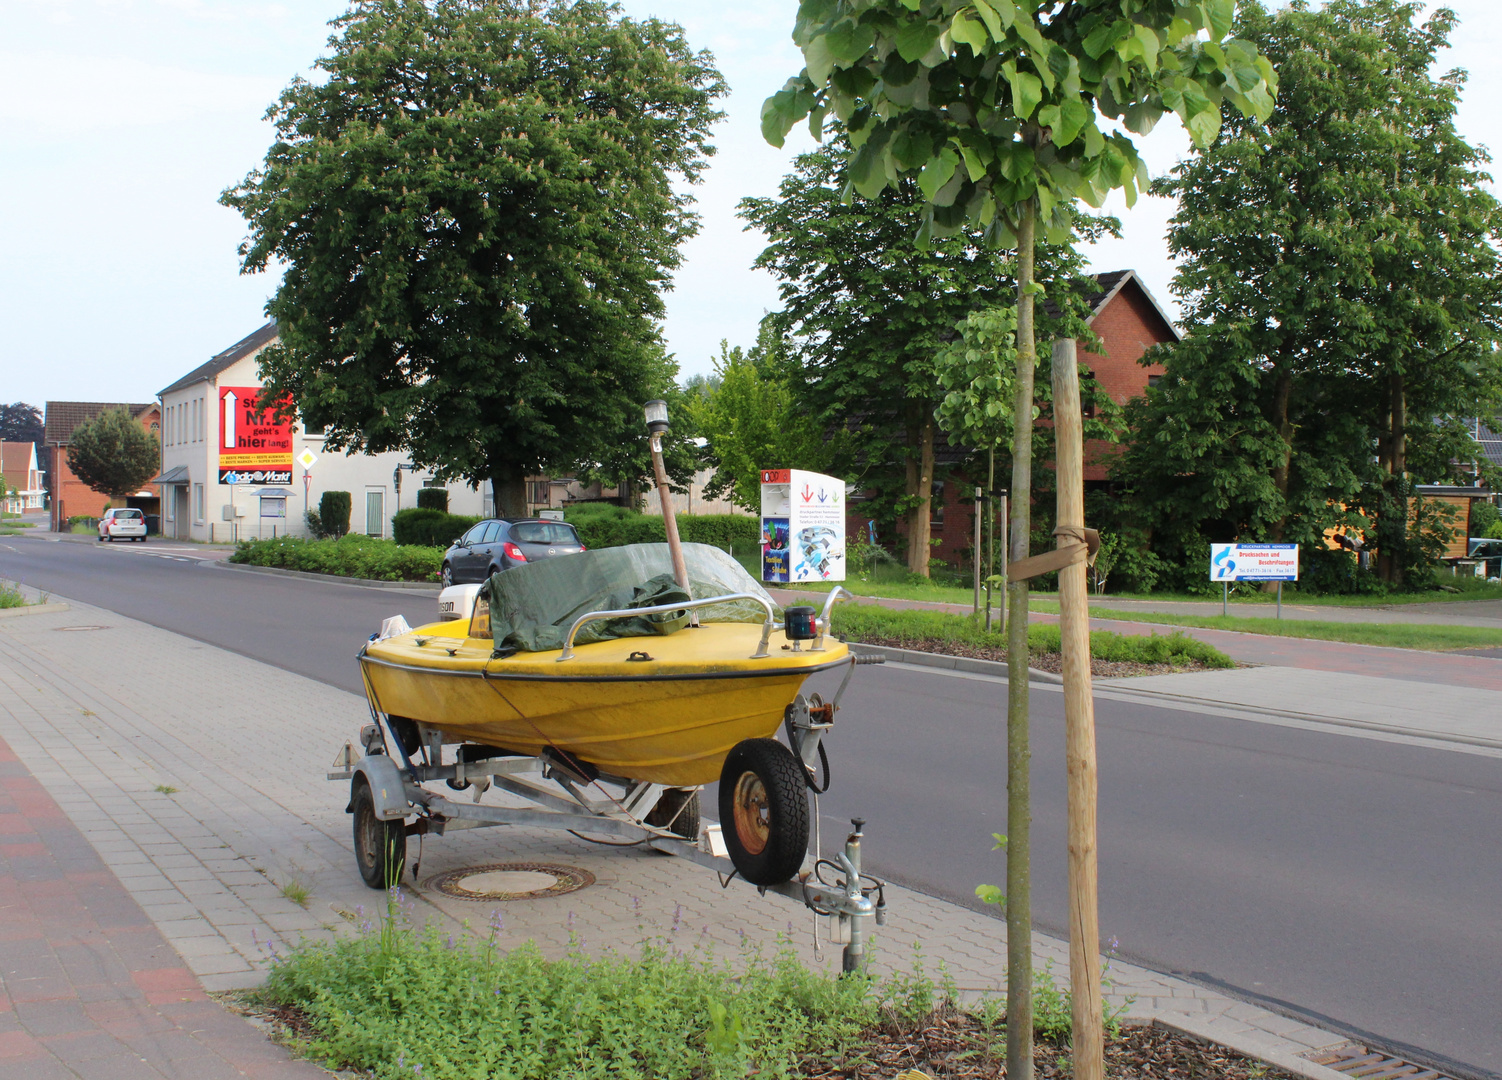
[88, 986]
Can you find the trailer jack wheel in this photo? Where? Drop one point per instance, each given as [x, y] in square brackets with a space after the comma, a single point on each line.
[380, 846]
[764, 810]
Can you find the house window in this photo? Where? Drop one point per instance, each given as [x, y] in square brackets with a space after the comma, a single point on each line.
[936, 508]
[193, 437]
[1153, 381]
[198, 503]
[539, 493]
[375, 512]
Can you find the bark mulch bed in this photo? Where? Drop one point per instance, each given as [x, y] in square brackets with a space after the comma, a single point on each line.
[954, 1045]
[1101, 669]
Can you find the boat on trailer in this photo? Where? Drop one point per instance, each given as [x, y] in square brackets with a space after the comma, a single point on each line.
[607, 694]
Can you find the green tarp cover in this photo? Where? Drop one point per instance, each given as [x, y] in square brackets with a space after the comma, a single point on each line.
[532, 606]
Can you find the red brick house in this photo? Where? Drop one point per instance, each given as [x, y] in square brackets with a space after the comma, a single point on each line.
[1128, 322]
[69, 496]
[23, 477]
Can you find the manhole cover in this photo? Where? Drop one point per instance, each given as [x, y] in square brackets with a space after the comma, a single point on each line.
[511, 881]
[80, 628]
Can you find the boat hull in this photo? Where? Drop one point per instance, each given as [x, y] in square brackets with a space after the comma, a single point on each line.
[669, 719]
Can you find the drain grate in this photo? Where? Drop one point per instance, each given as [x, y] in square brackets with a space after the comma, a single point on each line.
[1364, 1064]
[511, 881]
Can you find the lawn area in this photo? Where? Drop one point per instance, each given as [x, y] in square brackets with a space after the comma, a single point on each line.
[890, 582]
[1388, 635]
[961, 635]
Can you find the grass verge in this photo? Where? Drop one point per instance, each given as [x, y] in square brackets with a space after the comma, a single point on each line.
[1422, 636]
[350, 556]
[939, 632]
[396, 1001]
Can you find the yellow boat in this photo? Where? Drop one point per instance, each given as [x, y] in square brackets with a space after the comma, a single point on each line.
[665, 708]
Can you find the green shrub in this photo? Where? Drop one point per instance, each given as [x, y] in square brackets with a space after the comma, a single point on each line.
[602, 525]
[430, 528]
[929, 630]
[721, 530]
[333, 512]
[352, 555]
[433, 498]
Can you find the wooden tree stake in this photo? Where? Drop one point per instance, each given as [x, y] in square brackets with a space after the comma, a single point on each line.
[1079, 722]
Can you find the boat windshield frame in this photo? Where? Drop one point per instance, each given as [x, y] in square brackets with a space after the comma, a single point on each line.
[663, 609]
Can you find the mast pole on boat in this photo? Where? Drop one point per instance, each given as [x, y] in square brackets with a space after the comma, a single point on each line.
[657, 426]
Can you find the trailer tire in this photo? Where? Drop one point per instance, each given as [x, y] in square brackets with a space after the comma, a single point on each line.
[764, 810]
[677, 810]
[380, 846]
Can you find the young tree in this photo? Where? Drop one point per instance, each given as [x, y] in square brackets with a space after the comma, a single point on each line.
[993, 106]
[479, 206]
[1340, 262]
[751, 421]
[112, 453]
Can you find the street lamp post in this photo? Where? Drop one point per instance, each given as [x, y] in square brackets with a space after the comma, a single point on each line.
[657, 426]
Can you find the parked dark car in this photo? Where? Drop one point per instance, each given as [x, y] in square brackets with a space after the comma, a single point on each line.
[496, 545]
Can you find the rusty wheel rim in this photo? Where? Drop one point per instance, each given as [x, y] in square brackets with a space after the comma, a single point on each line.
[369, 842]
[753, 822]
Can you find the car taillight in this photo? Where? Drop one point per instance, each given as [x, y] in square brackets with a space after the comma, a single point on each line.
[583, 548]
[513, 552]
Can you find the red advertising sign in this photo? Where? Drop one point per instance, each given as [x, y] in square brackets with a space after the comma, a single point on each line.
[254, 447]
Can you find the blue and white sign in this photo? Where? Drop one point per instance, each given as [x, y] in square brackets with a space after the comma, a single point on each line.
[1254, 562]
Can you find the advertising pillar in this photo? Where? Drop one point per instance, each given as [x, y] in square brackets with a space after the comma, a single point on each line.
[802, 526]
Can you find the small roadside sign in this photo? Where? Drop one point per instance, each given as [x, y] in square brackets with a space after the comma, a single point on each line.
[1254, 562]
[306, 458]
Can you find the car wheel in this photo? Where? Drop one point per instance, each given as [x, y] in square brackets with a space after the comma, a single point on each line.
[492, 571]
[101, 538]
[446, 577]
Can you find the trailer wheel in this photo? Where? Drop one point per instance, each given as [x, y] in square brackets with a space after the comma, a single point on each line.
[678, 811]
[380, 846]
[764, 810]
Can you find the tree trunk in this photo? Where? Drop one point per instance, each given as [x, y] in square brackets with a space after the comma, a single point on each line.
[1282, 392]
[920, 484]
[510, 489]
[1019, 899]
[1398, 456]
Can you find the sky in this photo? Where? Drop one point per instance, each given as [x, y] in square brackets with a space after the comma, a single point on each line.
[121, 121]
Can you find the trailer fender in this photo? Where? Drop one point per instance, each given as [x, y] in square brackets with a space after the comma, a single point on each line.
[388, 787]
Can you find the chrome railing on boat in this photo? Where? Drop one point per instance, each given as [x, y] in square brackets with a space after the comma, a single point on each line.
[664, 609]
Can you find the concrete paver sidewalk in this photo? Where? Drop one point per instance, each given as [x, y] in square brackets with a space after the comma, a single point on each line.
[91, 987]
[104, 716]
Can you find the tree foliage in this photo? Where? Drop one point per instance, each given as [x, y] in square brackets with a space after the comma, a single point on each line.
[751, 421]
[1338, 266]
[478, 207]
[865, 318]
[20, 422]
[113, 454]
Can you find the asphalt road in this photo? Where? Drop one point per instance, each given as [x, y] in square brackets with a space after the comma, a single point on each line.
[1350, 881]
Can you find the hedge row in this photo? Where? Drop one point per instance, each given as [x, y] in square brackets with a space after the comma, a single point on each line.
[352, 555]
[601, 525]
[430, 528]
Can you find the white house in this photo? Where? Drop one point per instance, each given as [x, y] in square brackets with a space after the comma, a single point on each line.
[229, 472]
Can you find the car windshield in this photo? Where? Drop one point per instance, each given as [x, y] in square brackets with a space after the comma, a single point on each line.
[543, 532]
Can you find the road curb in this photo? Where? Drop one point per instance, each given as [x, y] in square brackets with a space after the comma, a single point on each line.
[954, 663]
[1217, 1031]
[32, 609]
[338, 579]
